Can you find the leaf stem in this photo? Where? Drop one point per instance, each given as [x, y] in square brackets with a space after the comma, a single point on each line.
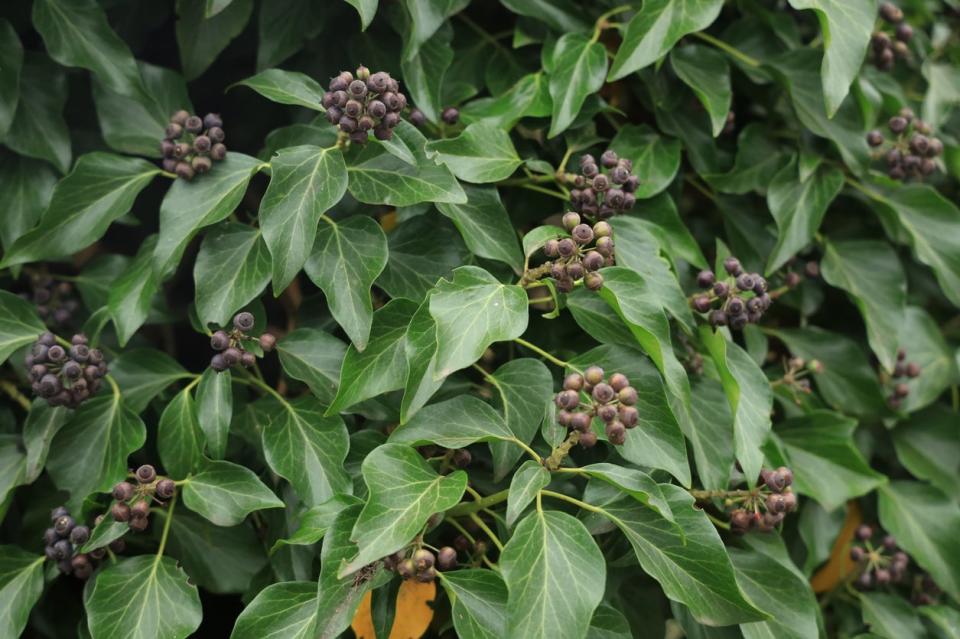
[545, 354]
[486, 529]
[166, 530]
[695, 183]
[168, 174]
[729, 49]
[602, 22]
[719, 523]
[11, 389]
[573, 500]
[540, 189]
[876, 197]
[532, 179]
[465, 508]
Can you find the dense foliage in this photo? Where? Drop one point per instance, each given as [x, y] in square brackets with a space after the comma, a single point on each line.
[575, 319]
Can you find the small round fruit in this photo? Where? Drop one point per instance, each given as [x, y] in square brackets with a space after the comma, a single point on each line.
[146, 474]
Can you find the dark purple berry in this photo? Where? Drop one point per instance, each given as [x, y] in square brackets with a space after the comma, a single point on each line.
[146, 474]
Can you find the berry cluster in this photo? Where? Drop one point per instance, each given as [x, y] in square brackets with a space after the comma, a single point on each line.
[422, 564]
[54, 301]
[795, 376]
[736, 301]
[877, 565]
[913, 151]
[65, 376]
[133, 501]
[902, 369]
[765, 506]
[62, 540]
[230, 344]
[573, 258]
[192, 144]
[885, 49]
[612, 400]
[363, 102]
[603, 193]
[792, 279]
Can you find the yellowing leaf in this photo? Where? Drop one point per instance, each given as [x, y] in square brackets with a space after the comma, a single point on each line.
[839, 565]
[413, 612]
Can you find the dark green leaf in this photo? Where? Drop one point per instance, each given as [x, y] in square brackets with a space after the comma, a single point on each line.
[132, 293]
[287, 609]
[225, 493]
[422, 250]
[526, 484]
[215, 410]
[286, 87]
[313, 357]
[19, 324]
[707, 72]
[21, 584]
[523, 388]
[283, 27]
[315, 522]
[142, 373]
[11, 60]
[454, 423]
[424, 72]
[479, 603]
[38, 129]
[562, 15]
[655, 158]
[218, 559]
[481, 153]
[179, 438]
[101, 188]
[232, 269]
[201, 39]
[928, 447]
[579, 67]
[367, 10]
[758, 160]
[485, 225]
[26, 187]
[106, 531]
[891, 617]
[635, 483]
[922, 339]
[41, 426]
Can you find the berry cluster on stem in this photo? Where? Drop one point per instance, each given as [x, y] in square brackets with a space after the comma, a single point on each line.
[613, 400]
[761, 508]
[192, 144]
[132, 501]
[231, 344]
[888, 45]
[65, 376]
[605, 189]
[913, 151]
[54, 301]
[897, 382]
[573, 259]
[877, 564]
[735, 301]
[362, 102]
[62, 540]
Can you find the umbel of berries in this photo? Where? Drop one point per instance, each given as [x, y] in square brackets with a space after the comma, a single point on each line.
[230, 344]
[763, 507]
[613, 400]
[603, 190]
[889, 44]
[62, 540]
[902, 372]
[363, 102]
[192, 144]
[735, 301]
[421, 565]
[54, 301]
[878, 562]
[912, 151]
[581, 255]
[132, 501]
[65, 376]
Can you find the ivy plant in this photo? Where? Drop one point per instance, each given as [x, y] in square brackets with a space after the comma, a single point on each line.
[525, 319]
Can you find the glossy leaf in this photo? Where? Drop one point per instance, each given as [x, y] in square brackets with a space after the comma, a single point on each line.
[19, 324]
[215, 410]
[26, 187]
[922, 339]
[38, 129]
[479, 603]
[11, 60]
[891, 616]
[707, 73]
[220, 560]
[132, 293]
[454, 423]
[141, 373]
[313, 357]
[424, 70]
[485, 225]
[367, 9]
[481, 153]
[316, 520]
[286, 609]
[927, 446]
[225, 493]
[180, 441]
[286, 87]
[21, 584]
[422, 250]
[232, 268]
[522, 388]
[200, 39]
[526, 484]
[41, 426]
[579, 67]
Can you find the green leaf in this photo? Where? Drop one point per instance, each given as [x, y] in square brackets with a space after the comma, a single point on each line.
[641, 252]
[472, 311]
[338, 597]
[758, 160]
[555, 575]
[943, 91]
[134, 125]
[179, 438]
[38, 129]
[367, 10]
[525, 485]
[215, 410]
[232, 269]
[826, 462]
[454, 423]
[798, 207]
[404, 491]
[26, 187]
[819, 530]
[221, 560]
[382, 366]
[107, 531]
[778, 590]
[19, 324]
[945, 618]
[378, 177]
[750, 396]
[313, 357]
[634, 483]
[707, 72]
[21, 584]
[11, 60]
[89, 454]
[76, 34]
[421, 348]
[101, 188]
[424, 72]
[136, 598]
[485, 225]
[922, 339]
[659, 25]
[286, 87]
[931, 223]
[609, 623]
[41, 426]
[593, 315]
[846, 30]
[425, 19]
[524, 98]
[287, 609]
[925, 522]
[141, 374]
[283, 27]
[561, 15]
[305, 182]
[848, 383]
[890, 616]
[692, 568]
[523, 388]
[928, 447]
[307, 449]
[347, 258]
[656, 159]
[132, 293]
[12, 464]
[479, 603]
[200, 39]
[225, 493]
[662, 219]
[579, 67]
[189, 206]
[213, 7]
[422, 250]
[481, 153]
[870, 272]
[315, 522]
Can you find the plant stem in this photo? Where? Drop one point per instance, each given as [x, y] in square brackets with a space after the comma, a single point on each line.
[539, 300]
[540, 189]
[463, 531]
[486, 529]
[166, 530]
[731, 50]
[532, 179]
[11, 389]
[719, 523]
[602, 23]
[573, 500]
[544, 354]
[465, 508]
